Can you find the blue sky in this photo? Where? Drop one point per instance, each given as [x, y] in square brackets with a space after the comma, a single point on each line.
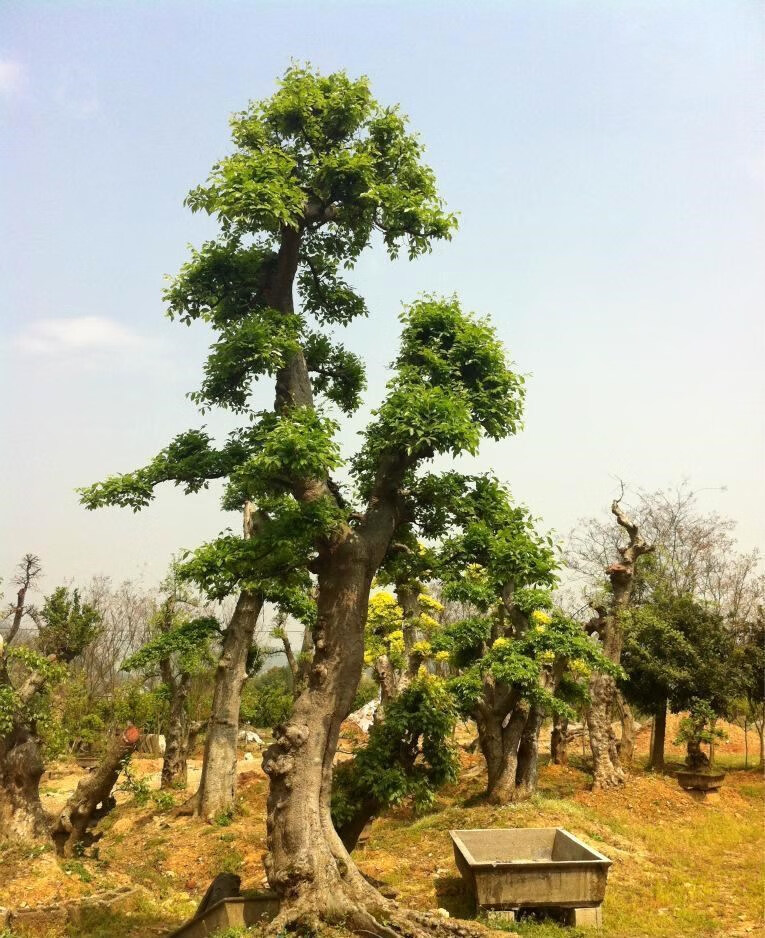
[608, 163]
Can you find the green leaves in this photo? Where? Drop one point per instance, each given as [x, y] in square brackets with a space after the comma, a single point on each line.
[324, 294]
[187, 640]
[409, 755]
[496, 543]
[221, 284]
[287, 448]
[259, 344]
[253, 191]
[337, 373]
[68, 626]
[443, 346]
[451, 385]
[189, 461]
[321, 151]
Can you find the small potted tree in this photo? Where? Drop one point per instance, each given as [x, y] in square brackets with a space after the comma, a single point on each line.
[696, 729]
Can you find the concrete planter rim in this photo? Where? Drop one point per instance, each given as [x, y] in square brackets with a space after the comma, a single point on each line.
[598, 859]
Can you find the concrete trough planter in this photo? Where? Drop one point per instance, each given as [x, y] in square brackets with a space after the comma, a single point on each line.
[700, 781]
[532, 868]
[702, 786]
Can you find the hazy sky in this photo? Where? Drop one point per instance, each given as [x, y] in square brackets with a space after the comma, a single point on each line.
[608, 162]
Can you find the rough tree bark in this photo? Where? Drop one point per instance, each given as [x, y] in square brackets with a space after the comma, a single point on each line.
[499, 737]
[217, 786]
[527, 772]
[626, 747]
[656, 757]
[559, 741]
[307, 863]
[607, 769]
[174, 761]
[299, 665]
[92, 798]
[21, 766]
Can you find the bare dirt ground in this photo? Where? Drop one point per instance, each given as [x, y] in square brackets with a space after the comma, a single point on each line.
[680, 868]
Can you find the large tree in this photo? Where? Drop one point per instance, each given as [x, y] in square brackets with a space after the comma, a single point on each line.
[319, 170]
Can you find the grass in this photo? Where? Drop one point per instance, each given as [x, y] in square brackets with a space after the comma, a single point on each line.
[681, 869]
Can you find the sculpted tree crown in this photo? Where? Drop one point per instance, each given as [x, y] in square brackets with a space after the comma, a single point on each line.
[317, 170]
[323, 156]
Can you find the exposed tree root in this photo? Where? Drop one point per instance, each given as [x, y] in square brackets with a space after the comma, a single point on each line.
[370, 915]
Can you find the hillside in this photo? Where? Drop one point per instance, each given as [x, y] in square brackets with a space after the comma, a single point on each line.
[680, 868]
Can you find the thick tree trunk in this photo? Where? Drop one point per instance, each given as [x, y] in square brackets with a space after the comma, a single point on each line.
[92, 797]
[217, 786]
[626, 747]
[21, 766]
[761, 736]
[656, 758]
[174, 767]
[307, 864]
[559, 741]
[527, 772]
[499, 745]
[606, 770]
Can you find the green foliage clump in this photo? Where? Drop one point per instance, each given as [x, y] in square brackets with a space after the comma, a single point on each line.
[408, 756]
[267, 698]
[187, 640]
[68, 624]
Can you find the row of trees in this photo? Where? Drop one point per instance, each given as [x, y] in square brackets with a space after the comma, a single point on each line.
[320, 172]
[506, 658]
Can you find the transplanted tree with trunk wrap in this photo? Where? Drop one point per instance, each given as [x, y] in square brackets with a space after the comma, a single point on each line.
[318, 171]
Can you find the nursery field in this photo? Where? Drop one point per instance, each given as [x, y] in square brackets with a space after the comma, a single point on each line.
[680, 868]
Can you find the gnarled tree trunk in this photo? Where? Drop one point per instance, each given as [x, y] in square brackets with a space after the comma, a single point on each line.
[217, 786]
[307, 864]
[92, 798]
[606, 765]
[626, 747]
[352, 829]
[174, 761]
[527, 772]
[21, 767]
[499, 744]
[606, 768]
[559, 741]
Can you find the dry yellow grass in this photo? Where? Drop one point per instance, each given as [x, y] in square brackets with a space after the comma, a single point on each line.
[681, 869]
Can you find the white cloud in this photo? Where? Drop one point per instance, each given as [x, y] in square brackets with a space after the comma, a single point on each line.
[11, 77]
[77, 334]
